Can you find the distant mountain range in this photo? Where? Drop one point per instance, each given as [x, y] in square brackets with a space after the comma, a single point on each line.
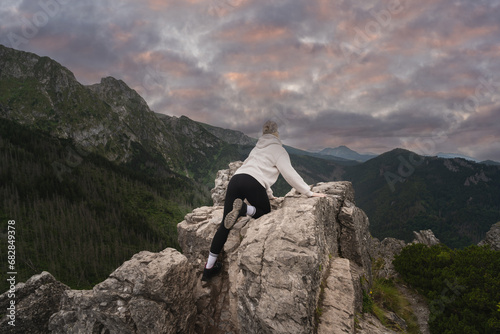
[94, 165]
[345, 152]
[403, 192]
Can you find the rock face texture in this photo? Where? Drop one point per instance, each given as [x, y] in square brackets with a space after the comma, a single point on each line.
[425, 237]
[221, 181]
[383, 252]
[150, 293]
[492, 237]
[338, 304]
[36, 300]
[275, 266]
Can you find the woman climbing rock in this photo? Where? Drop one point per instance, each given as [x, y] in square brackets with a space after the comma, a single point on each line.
[253, 181]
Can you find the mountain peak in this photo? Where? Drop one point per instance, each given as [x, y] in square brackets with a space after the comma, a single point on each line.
[116, 91]
[16, 64]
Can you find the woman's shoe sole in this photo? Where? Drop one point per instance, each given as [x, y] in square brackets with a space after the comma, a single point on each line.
[232, 216]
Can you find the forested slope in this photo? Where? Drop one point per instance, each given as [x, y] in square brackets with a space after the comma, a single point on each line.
[78, 215]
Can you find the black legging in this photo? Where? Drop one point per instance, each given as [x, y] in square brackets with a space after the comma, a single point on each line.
[246, 187]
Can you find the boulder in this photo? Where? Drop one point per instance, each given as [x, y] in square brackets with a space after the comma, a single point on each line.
[221, 181]
[36, 300]
[425, 237]
[150, 293]
[383, 253]
[492, 237]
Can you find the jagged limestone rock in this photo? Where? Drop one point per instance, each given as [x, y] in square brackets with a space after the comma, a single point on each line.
[355, 238]
[492, 237]
[337, 310]
[280, 266]
[425, 237]
[221, 182]
[150, 293]
[369, 324]
[274, 266]
[383, 253]
[36, 300]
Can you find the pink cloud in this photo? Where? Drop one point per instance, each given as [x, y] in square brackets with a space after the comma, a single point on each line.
[251, 34]
[159, 61]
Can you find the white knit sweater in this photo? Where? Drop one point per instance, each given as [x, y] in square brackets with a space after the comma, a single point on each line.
[267, 160]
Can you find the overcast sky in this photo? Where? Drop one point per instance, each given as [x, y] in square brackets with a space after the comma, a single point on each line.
[372, 75]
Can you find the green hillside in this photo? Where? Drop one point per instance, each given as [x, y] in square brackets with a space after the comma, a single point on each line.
[402, 192]
[79, 216]
[462, 287]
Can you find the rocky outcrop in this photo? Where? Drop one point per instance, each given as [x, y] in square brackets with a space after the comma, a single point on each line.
[150, 293]
[383, 252]
[492, 237]
[425, 237]
[337, 305]
[36, 300]
[277, 267]
[474, 179]
[222, 178]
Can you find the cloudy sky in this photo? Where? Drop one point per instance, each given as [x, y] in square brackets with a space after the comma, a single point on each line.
[372, 75]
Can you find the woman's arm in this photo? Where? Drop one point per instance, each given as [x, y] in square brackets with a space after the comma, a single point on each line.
[291, 176]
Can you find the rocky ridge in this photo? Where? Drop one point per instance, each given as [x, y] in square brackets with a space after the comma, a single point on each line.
[492, 238]
[112, 120]
[150, 293]
[231, 136]
[45, 95]
[382, 252]
[108, 118]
